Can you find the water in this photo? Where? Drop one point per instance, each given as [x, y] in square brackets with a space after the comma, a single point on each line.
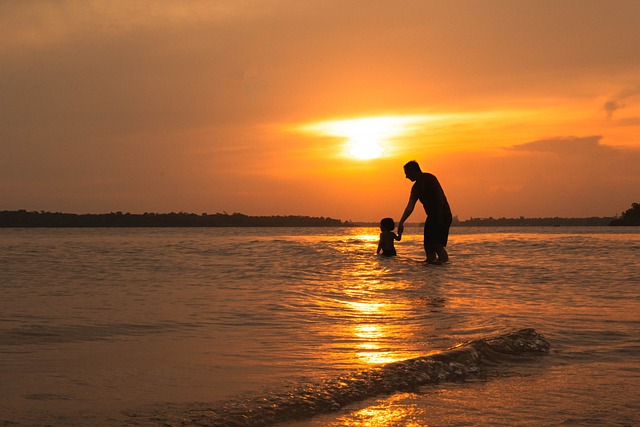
[146, 327]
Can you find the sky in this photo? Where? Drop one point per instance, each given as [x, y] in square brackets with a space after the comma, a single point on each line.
[312, 107]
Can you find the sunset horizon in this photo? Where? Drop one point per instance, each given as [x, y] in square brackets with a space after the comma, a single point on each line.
[520, 109]
[418, 220]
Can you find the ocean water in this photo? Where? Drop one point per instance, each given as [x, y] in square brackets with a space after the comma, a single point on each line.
[173, 327]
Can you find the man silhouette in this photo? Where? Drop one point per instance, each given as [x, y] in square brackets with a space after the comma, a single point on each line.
[428, 190]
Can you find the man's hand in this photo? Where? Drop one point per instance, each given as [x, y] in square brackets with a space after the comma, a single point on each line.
[400, 229]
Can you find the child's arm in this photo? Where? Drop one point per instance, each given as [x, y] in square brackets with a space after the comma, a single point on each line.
[379, 245]
[397, 236]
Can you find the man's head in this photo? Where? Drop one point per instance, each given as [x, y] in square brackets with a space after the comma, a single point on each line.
[412, 170]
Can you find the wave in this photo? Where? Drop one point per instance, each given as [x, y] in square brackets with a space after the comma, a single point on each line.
[463, 361]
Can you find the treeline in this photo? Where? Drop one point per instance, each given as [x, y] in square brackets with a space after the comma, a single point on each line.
[534, 222]
[22, 218]
[629, 217]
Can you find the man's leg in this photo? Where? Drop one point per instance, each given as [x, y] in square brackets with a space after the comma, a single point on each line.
[443, 236]
[429, 248]
[443, 256]
[431, 252]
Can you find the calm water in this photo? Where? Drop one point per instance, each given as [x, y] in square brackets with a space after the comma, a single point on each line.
[137, 326]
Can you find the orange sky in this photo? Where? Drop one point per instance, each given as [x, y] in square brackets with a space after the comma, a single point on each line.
[527, 108]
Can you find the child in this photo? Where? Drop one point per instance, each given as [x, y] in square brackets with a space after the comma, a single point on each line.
[387, 236]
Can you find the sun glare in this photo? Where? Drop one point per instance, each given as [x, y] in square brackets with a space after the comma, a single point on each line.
[369, 137]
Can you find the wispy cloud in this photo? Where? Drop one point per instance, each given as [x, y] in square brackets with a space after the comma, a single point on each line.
[566, 145]
[620, 100]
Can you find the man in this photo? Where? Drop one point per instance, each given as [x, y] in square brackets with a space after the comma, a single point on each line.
[427, 189]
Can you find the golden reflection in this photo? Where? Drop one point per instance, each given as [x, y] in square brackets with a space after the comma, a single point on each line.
[367, 237]
[372, 328]
[369, 349]
[392, 411]
[376, 333]
[366, 307]
[376, 357]
[368, 331]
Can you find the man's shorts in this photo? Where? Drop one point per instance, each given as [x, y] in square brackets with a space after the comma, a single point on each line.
[434, 234]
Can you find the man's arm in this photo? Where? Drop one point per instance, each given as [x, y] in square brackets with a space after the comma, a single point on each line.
[407, 212]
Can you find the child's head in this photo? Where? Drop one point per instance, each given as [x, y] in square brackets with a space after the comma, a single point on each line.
[387, 224]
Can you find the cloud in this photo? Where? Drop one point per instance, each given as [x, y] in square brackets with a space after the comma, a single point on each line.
[568, 145]
[560, 176]
[620, 100]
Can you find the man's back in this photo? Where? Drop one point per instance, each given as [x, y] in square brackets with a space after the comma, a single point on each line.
[428, 190]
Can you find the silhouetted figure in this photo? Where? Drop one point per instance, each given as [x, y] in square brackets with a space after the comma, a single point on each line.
[387, 236]
[428, 190]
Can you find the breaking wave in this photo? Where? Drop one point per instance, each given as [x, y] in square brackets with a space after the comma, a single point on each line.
[463, 361]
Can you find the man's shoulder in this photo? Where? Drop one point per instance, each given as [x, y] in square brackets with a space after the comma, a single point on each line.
[429, 179]
[429, 176]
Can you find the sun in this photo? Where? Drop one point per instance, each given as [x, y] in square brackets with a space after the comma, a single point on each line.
[366, 149]
[364, 138]
[368, 137]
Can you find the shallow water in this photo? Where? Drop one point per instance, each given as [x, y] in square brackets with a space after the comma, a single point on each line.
[137, 326]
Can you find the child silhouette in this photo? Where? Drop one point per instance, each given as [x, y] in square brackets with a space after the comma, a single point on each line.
[387, 236]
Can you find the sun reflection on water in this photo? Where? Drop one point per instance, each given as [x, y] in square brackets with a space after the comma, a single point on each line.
[369, 348]
[395, 410]
[373, 324]
[368, 308]
[375, 330]
[367, 237]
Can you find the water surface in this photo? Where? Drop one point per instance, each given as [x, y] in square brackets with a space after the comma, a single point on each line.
[130, 326]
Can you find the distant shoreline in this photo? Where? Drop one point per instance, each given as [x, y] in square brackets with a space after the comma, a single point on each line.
[25, 219]
[518, 222]
[537, 222]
